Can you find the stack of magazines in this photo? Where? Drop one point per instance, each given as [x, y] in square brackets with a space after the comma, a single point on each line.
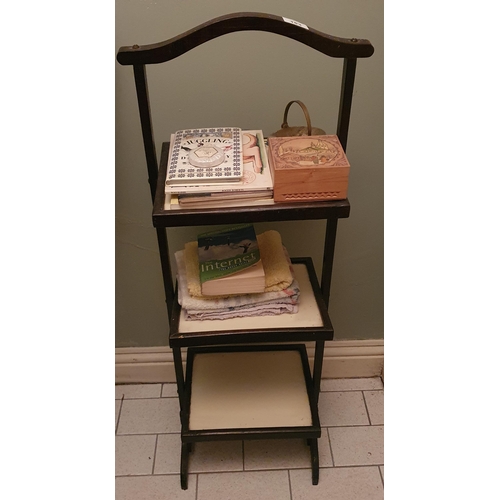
[218, 167]
[248, 274]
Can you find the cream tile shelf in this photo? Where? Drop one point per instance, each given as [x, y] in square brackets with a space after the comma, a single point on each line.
[272, 396]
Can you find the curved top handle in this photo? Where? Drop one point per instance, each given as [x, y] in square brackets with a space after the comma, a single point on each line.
[306, 114]
[244, 21]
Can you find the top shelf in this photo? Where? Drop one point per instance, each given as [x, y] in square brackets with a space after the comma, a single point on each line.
[165, 217]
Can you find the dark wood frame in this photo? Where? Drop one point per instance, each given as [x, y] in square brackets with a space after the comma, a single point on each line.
[139, 56]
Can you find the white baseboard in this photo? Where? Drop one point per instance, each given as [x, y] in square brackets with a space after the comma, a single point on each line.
[342, 359]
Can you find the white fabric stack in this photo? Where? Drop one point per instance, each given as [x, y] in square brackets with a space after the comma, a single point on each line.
[258, 304]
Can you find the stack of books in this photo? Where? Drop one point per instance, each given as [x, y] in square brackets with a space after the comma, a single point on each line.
[230, 262]
[218, 167]
[233, 272]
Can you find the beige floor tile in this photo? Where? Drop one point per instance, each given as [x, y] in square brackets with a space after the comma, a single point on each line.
[285, 453]
[262, 485]
[351, 384]
[168, 454]
[169, 391]
[216, 456]
[342, 408]
[357, 445]
[149, 416]
[134, 455]
[154, 488]
[349, 483]
[375, 404]
[134, 391]
[216, 468]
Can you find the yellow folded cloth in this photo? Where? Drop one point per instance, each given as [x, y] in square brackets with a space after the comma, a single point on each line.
[274, 261]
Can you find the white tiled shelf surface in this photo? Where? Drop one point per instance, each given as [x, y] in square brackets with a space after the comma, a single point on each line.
[351, 450]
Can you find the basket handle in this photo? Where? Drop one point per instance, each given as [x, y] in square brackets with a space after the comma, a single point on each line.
[306, 113]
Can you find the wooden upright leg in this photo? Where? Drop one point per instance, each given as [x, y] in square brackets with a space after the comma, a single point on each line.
[318, 368]
[184, 464]
[313, 444]
[181, 390]
[179, 376]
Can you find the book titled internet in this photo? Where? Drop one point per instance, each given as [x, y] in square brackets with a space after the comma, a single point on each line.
[229, 261]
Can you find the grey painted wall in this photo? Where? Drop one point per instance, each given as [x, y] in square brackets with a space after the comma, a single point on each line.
[247, 80]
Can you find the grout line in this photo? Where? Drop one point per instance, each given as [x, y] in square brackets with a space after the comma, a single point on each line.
[308, 468]
[149, 475]
[154, 456]
[381, 476]
[197, 485]
[243, 453]
[139, 385]
[263, 469]
[176, 396]
[357, 389]
[159, 397]
[119, 415]
[248, 471]
[143, 399]
[331, 447]
[348, 466]
[178, 433]
[144, 383]
[358, 466]
[366, 406]
[352, 426]
[351, 390]
[290, 485]
[197, 474]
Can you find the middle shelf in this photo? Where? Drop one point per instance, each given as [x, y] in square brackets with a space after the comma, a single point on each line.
[310, 323]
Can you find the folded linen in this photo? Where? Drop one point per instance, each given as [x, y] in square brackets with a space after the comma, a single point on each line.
[287, 296]
[276, 266]
[242, 312]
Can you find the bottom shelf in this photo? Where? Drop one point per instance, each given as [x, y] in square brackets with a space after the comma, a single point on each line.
[257, 391]
[249, 392]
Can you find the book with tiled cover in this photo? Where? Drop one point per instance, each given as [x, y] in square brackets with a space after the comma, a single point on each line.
[206, 155]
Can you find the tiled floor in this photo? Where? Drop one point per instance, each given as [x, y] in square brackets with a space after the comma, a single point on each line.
[351, 451]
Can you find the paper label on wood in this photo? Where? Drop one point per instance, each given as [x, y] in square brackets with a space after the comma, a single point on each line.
[296, 23]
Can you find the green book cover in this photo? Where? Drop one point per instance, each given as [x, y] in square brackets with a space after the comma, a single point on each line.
[227, 251]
